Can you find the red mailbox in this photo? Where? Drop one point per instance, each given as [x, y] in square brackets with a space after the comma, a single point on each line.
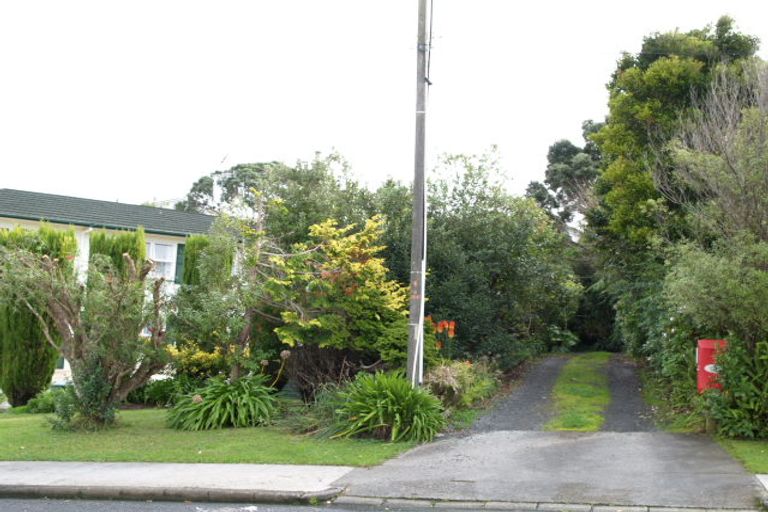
[706, 362]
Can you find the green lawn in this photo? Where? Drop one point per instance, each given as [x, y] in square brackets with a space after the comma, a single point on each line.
[581, 393]
[143, 436]
[753, 454]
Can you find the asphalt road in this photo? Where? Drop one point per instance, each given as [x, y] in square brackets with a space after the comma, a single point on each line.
[140, 506]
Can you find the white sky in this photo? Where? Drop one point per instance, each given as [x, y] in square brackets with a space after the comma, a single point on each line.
[134, 100]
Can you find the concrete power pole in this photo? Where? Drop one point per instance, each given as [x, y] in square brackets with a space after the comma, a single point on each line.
[419, 236]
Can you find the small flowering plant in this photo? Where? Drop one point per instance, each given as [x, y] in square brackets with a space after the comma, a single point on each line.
[445, 332]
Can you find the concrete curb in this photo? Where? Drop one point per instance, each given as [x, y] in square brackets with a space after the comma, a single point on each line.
[402, 503]
[762, 484]
[87, 492]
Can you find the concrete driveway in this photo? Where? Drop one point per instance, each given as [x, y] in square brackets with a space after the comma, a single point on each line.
[507, 458]
[610, 468]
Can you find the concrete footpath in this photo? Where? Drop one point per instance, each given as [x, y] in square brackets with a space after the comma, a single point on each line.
[235, 483]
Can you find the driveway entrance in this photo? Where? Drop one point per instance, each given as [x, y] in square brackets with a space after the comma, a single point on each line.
[633, 465]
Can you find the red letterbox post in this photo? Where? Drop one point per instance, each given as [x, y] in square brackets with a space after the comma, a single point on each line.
[706, 362]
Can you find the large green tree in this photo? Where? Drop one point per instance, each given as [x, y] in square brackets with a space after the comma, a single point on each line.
[290, 199]
[498, 265]
[571, 172]
[649, 92]
[27, 360]
[100, 327]
[633, 221]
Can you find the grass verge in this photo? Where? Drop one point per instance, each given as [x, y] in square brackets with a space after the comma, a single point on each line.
[581, 393]
[142, 436]
[666, 417]
[753, 454]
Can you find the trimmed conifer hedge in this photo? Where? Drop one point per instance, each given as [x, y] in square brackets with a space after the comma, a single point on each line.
[27, 360]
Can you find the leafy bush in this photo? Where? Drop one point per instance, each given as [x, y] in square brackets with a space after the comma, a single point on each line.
[159, 393]
[115, 245]
[560, 340]
[338, 298]
[741, 409]
[385, 406]
[724, 291]
[714, 293]
[65, 406]
[462, 383]
[509, 350]
[198, 364]
[193, 246]
[317, 417]
[93, 407]
[44, 402]
[247, 402]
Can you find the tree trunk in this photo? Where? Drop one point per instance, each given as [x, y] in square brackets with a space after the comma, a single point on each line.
[242, 343]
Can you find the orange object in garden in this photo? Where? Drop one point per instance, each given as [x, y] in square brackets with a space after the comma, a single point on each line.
[451, 329]
[706, 363]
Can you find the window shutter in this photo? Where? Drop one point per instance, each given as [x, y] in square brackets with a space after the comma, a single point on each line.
[179, 263]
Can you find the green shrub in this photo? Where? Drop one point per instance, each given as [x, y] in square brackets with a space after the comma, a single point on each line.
[158, 393]
[114, 245]
[193, 247]
[197, 364]
[92, 409]
[65, 406]
[385, 406]
[44, 402]
[317, 417]
[247, 402]
[741, 409]
[462, 383]
[510, 350]
[560, 340]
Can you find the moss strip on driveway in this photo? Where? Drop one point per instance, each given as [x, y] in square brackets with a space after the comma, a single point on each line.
[581, 394]
[142, 436]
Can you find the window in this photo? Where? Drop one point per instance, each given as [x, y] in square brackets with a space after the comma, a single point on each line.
[179, 263]
[164, 257]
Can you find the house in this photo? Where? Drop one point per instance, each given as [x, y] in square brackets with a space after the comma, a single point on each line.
[165, 229]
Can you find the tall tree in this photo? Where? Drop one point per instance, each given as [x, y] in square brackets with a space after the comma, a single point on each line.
[27, 360]
[97, 328]
[498, 265]
[289, 199]
[570, 176]
[648, 94]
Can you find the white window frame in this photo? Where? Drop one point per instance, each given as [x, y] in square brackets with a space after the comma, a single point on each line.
[152, 255]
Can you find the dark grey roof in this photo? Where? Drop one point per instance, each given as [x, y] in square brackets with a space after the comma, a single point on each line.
[20, 204]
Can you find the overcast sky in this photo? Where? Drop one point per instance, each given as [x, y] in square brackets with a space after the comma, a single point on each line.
[134, 100]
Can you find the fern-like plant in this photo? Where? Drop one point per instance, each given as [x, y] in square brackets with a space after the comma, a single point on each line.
[247, 402]
[385, 406]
